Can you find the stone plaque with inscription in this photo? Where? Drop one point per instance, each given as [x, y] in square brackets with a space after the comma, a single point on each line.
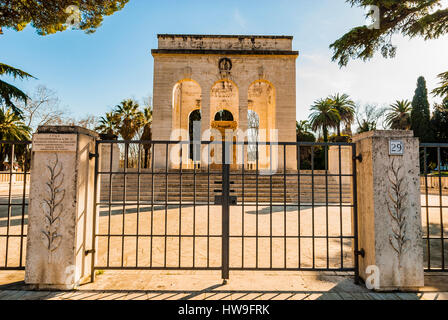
[43, 142]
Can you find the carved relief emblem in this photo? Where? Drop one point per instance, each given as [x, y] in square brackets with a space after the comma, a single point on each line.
[398, 239]
[225, 65]
[53, 206]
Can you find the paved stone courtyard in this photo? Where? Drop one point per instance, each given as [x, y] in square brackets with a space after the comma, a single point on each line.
[244, 286]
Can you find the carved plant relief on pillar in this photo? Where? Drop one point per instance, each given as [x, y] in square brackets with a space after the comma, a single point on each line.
[53, 206]
[397, 196]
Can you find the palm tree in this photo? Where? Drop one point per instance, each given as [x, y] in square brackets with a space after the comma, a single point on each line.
[346, 109]
[12, 128]
[130, 119]
[9, 92]
[324, 116]
[303, 126]
[108, 124]
[399, 116]
[129, 122]
[147, 134]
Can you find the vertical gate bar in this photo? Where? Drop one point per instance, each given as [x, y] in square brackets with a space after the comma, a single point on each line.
[442, 233]
[22, 223]
[138, 201]
[180, 204]
[284, 206]
[152, 147]
[270, 210]
[126, 163]
[312, 206]
[256, 204]
[326, 208]
[194, 210]
[298, 207]
[110, 202]
[151, 239]
[428, 241]
[166, 204]
[208, 205]
[340, 207]
[243, 215]
[225, 212]
[95, 212]
[11, 166]
[355, 213]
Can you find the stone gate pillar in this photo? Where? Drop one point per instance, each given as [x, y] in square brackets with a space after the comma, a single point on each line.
[61, 207]
[389, 210]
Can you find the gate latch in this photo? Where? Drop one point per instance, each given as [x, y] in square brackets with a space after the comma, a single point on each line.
[91, 251]
[361, 253]
[93, 155]
[358, 157]
[233, 200]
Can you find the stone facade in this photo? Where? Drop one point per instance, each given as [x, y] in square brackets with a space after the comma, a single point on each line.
[234, 73]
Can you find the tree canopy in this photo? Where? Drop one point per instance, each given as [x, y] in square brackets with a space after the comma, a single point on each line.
[420, 114]
[10, 93]
[51, 16]
[411, 18]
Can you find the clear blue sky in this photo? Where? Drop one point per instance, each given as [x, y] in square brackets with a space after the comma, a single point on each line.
[92, 73]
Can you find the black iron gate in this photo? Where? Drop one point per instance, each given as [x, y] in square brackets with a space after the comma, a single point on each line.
[14, 190]
[434, 190]
[282, 206]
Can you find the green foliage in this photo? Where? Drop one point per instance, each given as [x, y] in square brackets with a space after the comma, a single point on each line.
[324, 116]
[108, 124]
[50, 16]
[399, 116]
[306, 137]
[340, 138]
[420, 114]
[303, 131]
[8, 92]
[439, 122]
[442, 91]
[147, 123]
[346, 109]
[130, 119]
[411, 18]
[12, 127]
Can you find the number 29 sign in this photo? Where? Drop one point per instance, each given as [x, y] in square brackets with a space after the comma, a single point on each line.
[396, 148]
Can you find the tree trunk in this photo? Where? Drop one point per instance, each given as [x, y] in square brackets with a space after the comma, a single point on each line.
[146, 158]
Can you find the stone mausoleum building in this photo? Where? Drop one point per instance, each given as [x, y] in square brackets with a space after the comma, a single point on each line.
[227, 83]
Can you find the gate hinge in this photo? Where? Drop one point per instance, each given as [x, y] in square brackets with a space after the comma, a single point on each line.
[93, 155]
[91, 251]
[358, 157]
[361, 253]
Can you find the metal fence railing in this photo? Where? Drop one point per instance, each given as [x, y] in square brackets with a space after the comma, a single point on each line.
[15, 164]
[291, 208]
[434, 189]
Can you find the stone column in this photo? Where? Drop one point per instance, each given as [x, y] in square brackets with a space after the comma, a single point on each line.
[389, 210]
[60, 221]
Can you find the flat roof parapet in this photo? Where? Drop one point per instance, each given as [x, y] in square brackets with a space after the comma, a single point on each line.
[225, 42]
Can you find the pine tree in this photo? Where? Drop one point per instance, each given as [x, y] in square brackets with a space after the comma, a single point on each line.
[420, 115]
